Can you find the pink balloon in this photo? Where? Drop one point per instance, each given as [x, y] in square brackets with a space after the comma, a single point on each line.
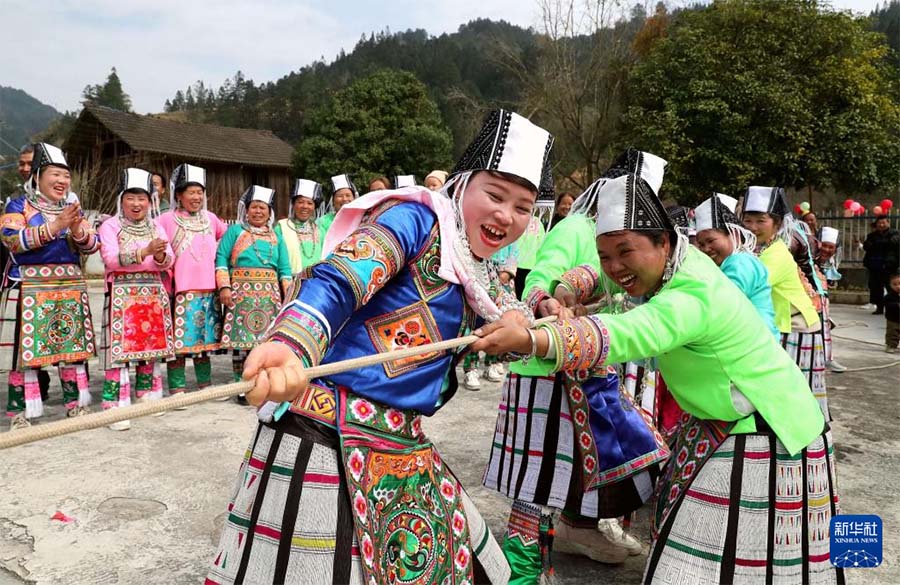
[855, 207]
[877, 210]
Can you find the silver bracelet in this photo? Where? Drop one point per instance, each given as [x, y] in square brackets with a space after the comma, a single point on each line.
[533, 353]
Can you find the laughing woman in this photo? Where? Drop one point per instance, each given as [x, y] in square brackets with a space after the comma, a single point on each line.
[751, 488]
[342, 486]
[193, 232]
[253, 272]
[767, 215]
[731, 247]
[137, 318]
[299, 230]
[343, 191]
[47, 235]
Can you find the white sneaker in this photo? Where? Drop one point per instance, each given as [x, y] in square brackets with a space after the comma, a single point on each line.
[836, 367]
[867, 307]
[495, 373]
[613, 531]
[589, 543]
[19, 422]
[472, 380]
[122, 425]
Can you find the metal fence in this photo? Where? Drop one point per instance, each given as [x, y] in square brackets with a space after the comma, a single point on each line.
[853, 232]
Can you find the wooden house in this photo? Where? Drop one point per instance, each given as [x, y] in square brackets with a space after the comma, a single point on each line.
[104, 141]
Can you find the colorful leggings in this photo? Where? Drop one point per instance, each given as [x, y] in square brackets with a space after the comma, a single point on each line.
[176, 377]
[528, 544]
[25, 391]
[470, 362]
[117, 385]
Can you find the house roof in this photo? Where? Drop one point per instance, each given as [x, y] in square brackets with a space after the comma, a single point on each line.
[193, 141]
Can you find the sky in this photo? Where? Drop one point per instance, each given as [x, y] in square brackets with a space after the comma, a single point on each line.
[160, 46]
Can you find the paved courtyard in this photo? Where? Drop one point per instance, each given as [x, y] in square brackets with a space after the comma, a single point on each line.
[147, 505]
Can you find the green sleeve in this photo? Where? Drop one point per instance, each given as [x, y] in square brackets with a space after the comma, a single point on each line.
[284, 260]
[223, 252]
[571, 243]
[669, 320]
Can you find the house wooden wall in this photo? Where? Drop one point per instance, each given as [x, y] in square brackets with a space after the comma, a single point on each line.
[99, 173]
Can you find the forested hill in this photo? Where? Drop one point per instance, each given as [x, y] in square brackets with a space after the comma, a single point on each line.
[459, 69]
[21, 116]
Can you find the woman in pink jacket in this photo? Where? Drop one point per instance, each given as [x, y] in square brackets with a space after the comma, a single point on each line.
[137, 319]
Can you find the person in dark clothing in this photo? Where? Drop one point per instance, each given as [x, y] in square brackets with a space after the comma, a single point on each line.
[892, 314]
[882, 258]
[563, 204]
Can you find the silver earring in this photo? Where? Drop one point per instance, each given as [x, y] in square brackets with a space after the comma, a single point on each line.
[669, 270]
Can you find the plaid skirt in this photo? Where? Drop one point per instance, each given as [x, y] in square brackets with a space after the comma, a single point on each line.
[534, 457]
[808, 352]
[290, 518]
[752, 514]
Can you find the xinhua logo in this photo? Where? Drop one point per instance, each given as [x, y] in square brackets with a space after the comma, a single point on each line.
[856, 541]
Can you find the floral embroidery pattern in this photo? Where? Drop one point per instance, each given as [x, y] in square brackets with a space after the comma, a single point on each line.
[411, 326]
[368, 259]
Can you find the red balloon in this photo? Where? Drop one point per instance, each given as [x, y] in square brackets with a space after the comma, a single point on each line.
[886, 204]
[877, 210]
[798, 209]
[848, 203]
[860, 210]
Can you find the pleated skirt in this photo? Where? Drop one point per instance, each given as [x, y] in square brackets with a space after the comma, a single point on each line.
[753, 514]
[808, 352]
[290, 518]
[534, 457]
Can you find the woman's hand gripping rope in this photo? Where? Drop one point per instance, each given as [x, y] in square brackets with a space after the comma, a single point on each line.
[277, 375]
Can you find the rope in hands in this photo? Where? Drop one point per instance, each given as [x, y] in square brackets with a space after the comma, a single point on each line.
[107, 417]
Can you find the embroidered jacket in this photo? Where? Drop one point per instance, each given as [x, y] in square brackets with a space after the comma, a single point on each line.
[707, 338]
[120, 254]
[195, 257]
[379, 290]
[563, 249]
[240, 248]
[26, 234]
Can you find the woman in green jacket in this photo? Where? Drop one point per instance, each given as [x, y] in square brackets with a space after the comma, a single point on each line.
[751, 488]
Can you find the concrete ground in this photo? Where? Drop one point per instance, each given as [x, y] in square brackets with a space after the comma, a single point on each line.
[146, 505]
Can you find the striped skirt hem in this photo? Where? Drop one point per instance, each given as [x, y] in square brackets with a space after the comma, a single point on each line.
[808, 352]
[290, 519]
[753, 514]
[534, 458]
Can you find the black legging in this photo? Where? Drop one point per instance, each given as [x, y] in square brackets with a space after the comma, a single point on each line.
[877, 281]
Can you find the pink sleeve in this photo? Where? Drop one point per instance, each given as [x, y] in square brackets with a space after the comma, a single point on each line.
[109, 244]
[170, 254]
[220, 226]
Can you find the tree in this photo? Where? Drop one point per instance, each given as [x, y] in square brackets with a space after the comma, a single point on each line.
[574, 85]
[782, 92]
[381, 124]
[110, 94]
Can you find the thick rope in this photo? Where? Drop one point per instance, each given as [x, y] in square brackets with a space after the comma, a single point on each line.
[107, 417]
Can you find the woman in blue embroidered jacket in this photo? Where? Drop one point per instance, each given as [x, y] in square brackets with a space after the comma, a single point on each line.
[406, 270]
[47, 234]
